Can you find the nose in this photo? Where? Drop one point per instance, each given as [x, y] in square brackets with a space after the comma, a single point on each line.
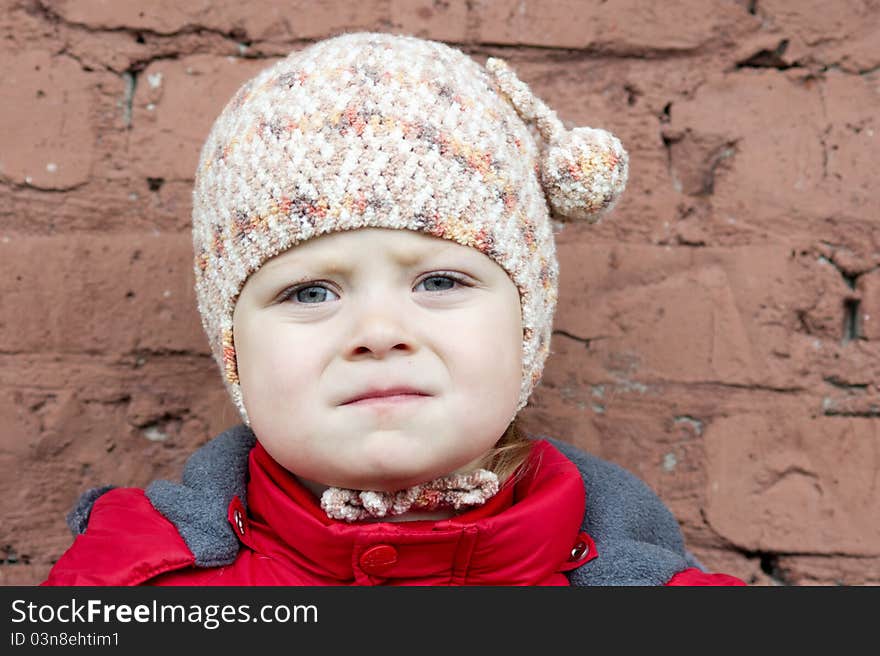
[380, 330]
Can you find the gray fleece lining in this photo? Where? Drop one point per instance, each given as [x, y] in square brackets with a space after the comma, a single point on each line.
[213, 475]
[78, 517]
[638, 539]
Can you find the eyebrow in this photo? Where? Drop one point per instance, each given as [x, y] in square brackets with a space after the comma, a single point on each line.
[330, 264]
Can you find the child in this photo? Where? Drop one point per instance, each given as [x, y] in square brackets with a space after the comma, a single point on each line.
[379, 442]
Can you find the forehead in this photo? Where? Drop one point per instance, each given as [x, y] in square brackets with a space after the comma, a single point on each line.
[402, 245]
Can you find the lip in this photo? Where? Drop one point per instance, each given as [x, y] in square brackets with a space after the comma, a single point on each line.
[391, 400]
[389, 395]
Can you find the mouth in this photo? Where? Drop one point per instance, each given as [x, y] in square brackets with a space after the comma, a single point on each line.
[389, 400]
[397, 394]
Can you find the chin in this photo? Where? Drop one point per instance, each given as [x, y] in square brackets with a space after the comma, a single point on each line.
[399, 460]
[392, 479]
[392, 482]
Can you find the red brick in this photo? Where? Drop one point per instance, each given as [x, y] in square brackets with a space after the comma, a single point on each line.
[175, 104]
[753, 142]
[783, 481]
[48, 141]
[869, 308]
[821, 570]
[846, 36]
[429, 19]
[259, 19]
[661, 314]
[850, 144]
[617, 25]
[113, 294]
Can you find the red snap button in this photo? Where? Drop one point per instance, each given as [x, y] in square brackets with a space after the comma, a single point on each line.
[238, 516]
[584, 547]
[378, 559]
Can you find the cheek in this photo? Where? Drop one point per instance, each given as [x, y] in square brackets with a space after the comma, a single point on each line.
[489, 348]
[276, 368]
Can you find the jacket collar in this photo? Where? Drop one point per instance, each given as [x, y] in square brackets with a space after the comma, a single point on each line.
[523, 535]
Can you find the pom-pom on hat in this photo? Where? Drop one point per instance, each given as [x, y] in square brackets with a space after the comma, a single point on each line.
[584, 170]
[369, 129]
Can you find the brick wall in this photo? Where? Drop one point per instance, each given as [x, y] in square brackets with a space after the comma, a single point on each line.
[718, 336]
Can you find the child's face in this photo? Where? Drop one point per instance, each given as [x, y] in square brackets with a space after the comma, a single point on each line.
[378, 322]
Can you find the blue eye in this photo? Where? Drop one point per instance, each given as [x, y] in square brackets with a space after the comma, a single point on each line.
[435, 278]
[313, 293]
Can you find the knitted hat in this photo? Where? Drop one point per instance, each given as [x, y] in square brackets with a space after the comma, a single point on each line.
[392, 131]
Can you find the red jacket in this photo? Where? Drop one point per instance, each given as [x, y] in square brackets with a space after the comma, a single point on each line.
[531, 533]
